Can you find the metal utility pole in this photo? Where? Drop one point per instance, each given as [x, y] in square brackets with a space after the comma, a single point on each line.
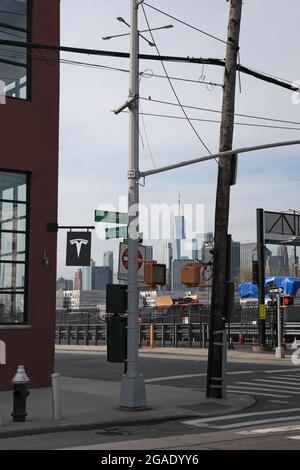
[226, 177]
[133, 393]
[260, 225]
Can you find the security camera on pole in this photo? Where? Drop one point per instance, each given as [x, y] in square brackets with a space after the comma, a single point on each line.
[133, 393]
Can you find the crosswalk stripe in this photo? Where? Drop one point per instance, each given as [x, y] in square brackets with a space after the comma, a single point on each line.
[294, 437]
[257, 391]
[296, 369]
[270, 430]
[240, 415]
[255, 423]
[295, 377]
[276, 382]
[287, 379]
[282, 388]
[248, 392]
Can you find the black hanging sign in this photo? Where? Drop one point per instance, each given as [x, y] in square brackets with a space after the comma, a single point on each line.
[79, 248]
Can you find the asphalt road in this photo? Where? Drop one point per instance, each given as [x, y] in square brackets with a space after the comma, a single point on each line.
[272, 423]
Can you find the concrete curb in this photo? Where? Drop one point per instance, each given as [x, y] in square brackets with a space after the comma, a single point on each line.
[116, 422]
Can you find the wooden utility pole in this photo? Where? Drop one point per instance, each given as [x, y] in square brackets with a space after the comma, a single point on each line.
[226, 177]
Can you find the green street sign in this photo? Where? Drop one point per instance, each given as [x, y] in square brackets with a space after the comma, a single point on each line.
[111, 217]
[116, 232]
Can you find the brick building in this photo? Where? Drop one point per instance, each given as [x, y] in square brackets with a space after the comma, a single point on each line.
[28, 188]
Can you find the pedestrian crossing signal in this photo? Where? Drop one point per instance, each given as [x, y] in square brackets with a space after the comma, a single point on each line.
[286, 300]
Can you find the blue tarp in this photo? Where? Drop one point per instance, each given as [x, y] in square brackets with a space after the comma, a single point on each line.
[290, 286]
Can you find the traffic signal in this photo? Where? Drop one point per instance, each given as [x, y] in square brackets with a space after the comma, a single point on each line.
[155, 274]
[286, 300]
[190, 275]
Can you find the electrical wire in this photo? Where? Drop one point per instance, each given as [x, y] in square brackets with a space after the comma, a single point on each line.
[186, 24]
[220, 112]
[146, 137]
[50, 61]
[172, 87]
[6, 53]
[215, 121]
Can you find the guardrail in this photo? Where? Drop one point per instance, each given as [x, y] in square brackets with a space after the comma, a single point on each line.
[175, 334]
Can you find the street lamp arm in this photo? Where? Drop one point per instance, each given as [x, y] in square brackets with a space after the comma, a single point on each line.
[228, 153]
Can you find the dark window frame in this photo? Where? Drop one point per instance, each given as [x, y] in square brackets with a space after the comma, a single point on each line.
[25, 263]
[28, 65]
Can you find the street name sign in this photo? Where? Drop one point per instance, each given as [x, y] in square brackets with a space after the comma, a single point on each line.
[116, 232]
[111, 217]
[123, 262]
[275, 290]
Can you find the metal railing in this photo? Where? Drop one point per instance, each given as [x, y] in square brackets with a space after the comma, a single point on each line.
[177, 327]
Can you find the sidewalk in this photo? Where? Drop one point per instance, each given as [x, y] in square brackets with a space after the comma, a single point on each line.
[92, 404]
[200, 353]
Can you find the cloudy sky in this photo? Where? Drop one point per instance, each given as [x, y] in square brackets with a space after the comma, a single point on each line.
[94, 142]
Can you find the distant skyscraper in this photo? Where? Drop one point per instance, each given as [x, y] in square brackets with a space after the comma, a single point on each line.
[78, 280]
[102, 275]
[149, 253]
[167, 260]
[282, 252]
[176, 273]
[64, 284]
[199, 243]
[108, 260]
[179, 231]
[248, 253]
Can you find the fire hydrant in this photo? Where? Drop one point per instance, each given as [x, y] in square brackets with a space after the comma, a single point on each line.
[20, 394]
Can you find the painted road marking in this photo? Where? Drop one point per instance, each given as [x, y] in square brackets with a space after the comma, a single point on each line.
[269, 382]
[194, 422]
[270, 430]
[255, 423]
[175, 377]
[278, 401]
[256, 391]
[188, 376]
[293, 437]
[281, 387]
[283, 377]
[282, 370]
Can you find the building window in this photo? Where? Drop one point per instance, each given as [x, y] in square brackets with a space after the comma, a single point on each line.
[14, 61]
[13, 243]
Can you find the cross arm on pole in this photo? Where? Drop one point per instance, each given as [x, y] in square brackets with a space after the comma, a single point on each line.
[228, 153]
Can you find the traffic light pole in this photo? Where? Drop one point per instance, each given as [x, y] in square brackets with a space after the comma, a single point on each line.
[261, 275]
[279, 350]
[133, 393]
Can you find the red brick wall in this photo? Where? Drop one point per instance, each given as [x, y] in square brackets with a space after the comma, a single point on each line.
[29, 142]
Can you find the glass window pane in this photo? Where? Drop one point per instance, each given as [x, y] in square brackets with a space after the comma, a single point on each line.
[14, 27]
[14, 12]
[12, 277]
[11, 308]
[12, 246]
[12, 216]
[12, 186]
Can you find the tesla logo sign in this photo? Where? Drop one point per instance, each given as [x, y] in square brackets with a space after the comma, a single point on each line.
[78, 249]
[79, 242]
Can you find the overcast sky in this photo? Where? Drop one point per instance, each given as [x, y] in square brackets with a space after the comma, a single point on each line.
[94, 142]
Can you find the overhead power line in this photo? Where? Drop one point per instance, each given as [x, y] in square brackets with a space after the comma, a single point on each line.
[172, 87]
[169, 116]
[185, 23]
[124, 55]
[251, 116]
